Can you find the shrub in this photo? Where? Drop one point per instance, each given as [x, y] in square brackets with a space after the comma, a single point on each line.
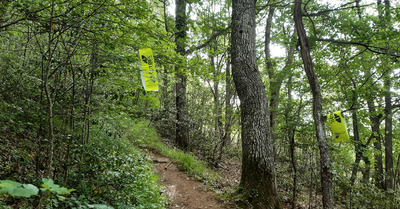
[113, 171]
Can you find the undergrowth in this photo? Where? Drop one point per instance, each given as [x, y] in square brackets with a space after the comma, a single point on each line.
[107, 172]
[118, 174]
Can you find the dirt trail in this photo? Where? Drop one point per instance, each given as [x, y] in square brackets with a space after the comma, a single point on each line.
[182, 190]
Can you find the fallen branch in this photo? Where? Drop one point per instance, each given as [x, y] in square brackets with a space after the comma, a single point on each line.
[160, 161]
[165, 168]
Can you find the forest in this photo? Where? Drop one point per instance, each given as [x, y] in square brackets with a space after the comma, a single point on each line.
[245, 97]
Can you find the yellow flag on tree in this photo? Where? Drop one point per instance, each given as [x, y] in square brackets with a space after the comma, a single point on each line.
[338, 126]
[148, 73]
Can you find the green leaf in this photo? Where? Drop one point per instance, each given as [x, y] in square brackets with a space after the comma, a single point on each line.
[7, 186]
[17, 189]
[61, 197]
[48, 181]
[49, 185]
[99, 206]
[26, 190]
[45, 187]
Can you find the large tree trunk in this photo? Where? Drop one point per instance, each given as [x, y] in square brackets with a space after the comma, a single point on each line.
[182, 130]
[326, 175]
[258, 182]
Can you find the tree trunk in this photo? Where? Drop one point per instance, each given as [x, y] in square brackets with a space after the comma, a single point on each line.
[388, 120]
[258, 181]
[276, 78]
[291, 129]
[215, 91]
[396, 173]
[358, 146]
[164, 91]
[378, 176]
[274, 85]
[165, 15]
[325, 161]
[182, 130]
[166, 67]
[388, 136]
[228, 105]
[50, 171]
[367, 169]
[217, 107]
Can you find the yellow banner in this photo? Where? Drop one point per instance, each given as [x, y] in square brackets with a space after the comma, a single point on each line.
[338, 126]
[148, 74]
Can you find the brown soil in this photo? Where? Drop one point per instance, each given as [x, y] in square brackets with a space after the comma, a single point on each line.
[182, 190]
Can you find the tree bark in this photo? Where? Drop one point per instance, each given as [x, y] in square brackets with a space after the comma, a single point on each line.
[164, 88]
[325, 161]
[215, 91]
[228, 105]
[217, 107]
[182, 130]
[291, 129]
[258, 181]
[359, 147]
[396, 173]
[50, 171]
[378, 176]
[388, 136]
[274, 85]
[276, 78]
[388, 120]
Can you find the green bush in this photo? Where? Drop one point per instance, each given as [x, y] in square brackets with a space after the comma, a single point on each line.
[114, 172]
[367, 195]
[21, 194]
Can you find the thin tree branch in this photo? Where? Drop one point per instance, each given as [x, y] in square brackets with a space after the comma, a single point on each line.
[374, 49]
[332, 10]
[212, 37]
[276, 4]
[22, 19]
[224, 31]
